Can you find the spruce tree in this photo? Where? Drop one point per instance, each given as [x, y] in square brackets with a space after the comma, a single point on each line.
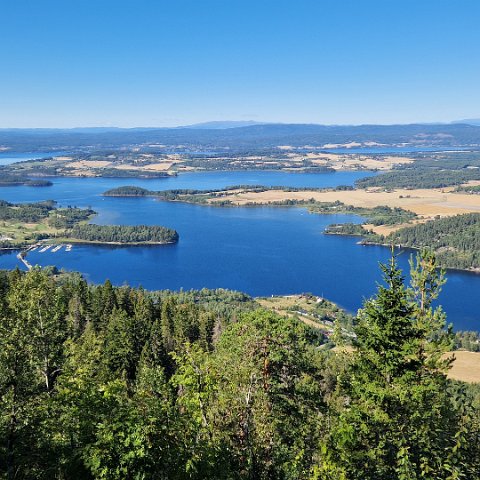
[393, 417]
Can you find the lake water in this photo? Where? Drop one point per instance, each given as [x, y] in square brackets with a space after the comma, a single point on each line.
[261, 251]
[7, 158]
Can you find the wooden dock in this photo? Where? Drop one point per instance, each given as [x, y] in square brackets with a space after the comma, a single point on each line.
[21, 257]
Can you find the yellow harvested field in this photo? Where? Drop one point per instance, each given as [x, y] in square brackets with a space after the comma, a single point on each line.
[384, 163]
[85, 164]
[159, 167]
[466, 367]
[351, 161]
[156, 167]
[424, 202]
[386, 229]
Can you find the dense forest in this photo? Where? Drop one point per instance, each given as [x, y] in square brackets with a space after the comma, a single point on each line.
[36, 212]
[456, 240]
[125, 234]
[435, 171]
[25, 212]
[472, 189]
[16, 180]
[128, 191]
[63, 218]
[100, 382]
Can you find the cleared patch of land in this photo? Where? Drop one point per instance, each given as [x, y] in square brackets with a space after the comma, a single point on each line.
[131, 161]
[427, 203]
[87, 164]
[314, 311]
[342, 161]
[466, 367]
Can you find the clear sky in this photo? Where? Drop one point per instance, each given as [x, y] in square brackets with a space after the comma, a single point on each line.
[66, 63]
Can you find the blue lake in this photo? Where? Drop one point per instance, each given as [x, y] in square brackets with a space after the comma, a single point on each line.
[261, 251]
[7, 158]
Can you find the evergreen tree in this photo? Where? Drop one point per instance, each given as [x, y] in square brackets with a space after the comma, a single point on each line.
[394, 418]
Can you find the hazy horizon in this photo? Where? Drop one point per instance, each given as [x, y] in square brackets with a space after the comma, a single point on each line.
[474, 122]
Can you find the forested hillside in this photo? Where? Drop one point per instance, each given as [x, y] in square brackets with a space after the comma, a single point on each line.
[456, 240]
[253, 136]
[99, 382]
[435, 171]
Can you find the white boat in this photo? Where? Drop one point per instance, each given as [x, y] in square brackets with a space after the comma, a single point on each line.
[57, 248]
[68, 248]
[45, 248]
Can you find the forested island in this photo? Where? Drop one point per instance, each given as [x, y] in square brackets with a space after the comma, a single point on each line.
[120, 383]
[123, 234]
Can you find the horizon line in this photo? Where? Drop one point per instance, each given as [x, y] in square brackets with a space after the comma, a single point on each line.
[249, 123]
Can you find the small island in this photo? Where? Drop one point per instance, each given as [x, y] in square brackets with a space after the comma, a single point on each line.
[122, 234]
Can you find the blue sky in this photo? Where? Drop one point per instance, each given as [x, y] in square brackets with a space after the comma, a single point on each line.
[164, 63]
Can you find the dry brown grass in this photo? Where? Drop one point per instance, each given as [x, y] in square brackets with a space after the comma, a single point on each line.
[86, 164]
[426, 203]
[466, 367]
[351, 161]
[283, 305]
[155, 167]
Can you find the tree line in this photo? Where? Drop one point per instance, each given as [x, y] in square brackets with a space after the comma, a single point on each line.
[435, 171]
[123, 233]
[456, 239]
[103, 382]
[25, 212]
[16, 180]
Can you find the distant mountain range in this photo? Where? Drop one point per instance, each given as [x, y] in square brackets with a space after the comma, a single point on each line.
[238, 136]
[221, 125]
[470, 121]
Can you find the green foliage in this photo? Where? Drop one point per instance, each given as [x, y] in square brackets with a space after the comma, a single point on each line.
[123, 234]
[27, 212]
[472, 189]
[127, 191]
[455, 240]
[394, 416]
[8, 180]
[435, 171]
[64, 218]
[104, 382]
[468, 341]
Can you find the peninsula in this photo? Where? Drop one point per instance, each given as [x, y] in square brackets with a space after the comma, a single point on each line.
[448, 218]
[23, 225]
